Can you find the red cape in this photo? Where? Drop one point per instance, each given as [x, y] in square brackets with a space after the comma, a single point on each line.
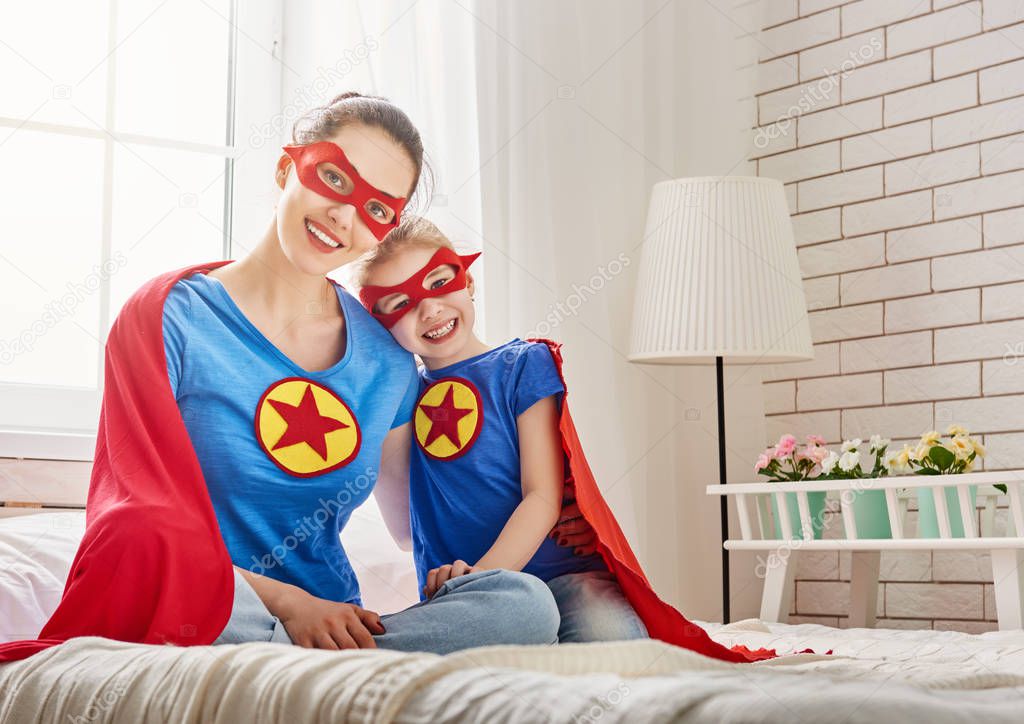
[663, 621]
[152, 566]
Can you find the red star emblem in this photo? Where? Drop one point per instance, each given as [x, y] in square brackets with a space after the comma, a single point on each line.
[305, 424]
[445, 419]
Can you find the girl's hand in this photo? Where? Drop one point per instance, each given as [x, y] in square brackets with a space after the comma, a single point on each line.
[316, 623]
[572, 530]
[439, 576]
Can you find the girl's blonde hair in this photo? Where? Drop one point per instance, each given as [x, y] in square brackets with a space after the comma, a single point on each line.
[412, 231]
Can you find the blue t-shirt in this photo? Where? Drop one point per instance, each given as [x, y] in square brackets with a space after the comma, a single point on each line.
[287, 454]
[465, 478]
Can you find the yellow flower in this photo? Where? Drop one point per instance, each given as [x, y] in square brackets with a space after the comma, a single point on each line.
[920, 452]
[978, 447]
[960, 446]
[956, 430]
[930, 438]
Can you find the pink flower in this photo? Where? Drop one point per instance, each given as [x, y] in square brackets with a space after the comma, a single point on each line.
[785, 446]
[815, 440]
[762, 462]
[817, 453]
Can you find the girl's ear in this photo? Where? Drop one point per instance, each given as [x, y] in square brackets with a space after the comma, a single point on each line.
[281, 175]
[470, 287]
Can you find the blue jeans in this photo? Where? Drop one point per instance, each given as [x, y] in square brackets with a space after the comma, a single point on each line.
[465, 612]
[593, 608]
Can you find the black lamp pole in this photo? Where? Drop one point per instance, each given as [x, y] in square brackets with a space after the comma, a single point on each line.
[721, 480]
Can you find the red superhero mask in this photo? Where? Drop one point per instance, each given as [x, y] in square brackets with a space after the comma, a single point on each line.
[413, 286]
[379, 210]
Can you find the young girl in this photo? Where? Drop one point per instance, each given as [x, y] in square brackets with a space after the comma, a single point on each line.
[487, 469]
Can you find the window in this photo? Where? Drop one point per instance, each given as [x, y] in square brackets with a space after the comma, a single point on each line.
[126, 151]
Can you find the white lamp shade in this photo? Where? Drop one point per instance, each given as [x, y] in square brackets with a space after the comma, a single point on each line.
[719, 276]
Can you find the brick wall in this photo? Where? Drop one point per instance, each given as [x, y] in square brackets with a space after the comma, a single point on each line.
[898, 129]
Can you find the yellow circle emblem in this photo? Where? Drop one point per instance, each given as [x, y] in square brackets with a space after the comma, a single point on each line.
[448, 419]
[306, 429]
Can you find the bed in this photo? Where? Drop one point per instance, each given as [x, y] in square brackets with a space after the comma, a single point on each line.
[872, 675]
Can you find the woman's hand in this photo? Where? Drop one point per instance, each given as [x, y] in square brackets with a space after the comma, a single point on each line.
[574, 531]
[439, 576]
[316, 623]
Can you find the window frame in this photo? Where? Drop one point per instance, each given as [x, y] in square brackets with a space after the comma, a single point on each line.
[254, 86]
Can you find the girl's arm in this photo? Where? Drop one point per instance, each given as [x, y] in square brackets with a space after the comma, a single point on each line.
[542, 470]
[392, 488]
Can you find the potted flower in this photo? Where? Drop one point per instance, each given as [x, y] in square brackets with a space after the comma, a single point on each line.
[933, 456]
[786, 462]
[869, 506]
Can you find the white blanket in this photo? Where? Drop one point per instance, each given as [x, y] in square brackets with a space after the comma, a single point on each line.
[911, 676]
[874, 675]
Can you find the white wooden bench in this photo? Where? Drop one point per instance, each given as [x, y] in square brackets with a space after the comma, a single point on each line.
[758, 534]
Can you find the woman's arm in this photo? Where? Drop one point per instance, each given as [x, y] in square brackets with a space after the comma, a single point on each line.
[316, 623]
[542, 470]
[392, 489]
[274, 594]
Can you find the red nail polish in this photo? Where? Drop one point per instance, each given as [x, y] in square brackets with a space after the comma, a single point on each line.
[576, 552]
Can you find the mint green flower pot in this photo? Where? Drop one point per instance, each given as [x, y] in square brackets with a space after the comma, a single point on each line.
[816, 505]
[928, 522]
[872, 514]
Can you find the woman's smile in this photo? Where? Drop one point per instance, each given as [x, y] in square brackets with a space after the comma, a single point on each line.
[322, 238]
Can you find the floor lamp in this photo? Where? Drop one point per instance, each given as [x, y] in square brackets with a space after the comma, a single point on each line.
[719, 283]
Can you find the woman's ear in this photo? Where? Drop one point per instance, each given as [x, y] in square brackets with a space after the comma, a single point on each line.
[281, 175]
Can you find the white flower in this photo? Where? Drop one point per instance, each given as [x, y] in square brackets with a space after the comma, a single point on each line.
[849, 460]
[877, 442]
[851, 445]
[829, 463]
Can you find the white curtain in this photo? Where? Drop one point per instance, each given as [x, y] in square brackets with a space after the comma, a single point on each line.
[583, 106]
[548, 123]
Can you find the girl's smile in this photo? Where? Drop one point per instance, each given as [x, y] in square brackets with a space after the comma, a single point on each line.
[442, 332]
